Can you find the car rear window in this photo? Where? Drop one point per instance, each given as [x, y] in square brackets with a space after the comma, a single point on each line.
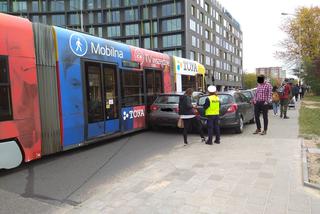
[247, 94]
[224, 99]
[167, 99]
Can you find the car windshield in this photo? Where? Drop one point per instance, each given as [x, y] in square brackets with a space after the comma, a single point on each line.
[224, 99]
[167, 99]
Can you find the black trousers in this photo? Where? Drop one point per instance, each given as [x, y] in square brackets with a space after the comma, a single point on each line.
[189, 123]
[258, 108]
[213, 124]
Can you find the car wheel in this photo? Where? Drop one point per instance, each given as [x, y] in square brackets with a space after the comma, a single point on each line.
[239, 128]
[251, 121]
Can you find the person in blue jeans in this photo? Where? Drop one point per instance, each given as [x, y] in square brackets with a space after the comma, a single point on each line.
[275, 100]
[212, 111]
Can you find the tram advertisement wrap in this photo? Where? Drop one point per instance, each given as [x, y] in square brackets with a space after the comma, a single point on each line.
[133, 117]
[151, 59]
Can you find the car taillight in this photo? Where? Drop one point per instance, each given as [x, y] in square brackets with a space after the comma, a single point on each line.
[176, 110]
[154, 108]
[232, 108]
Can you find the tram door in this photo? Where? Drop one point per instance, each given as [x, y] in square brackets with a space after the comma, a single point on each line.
[154, 83]
[102, 114]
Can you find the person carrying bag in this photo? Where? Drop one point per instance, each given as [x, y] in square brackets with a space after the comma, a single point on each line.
[188, 117]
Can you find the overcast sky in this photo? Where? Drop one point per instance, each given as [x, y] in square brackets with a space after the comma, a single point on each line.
[260, 24]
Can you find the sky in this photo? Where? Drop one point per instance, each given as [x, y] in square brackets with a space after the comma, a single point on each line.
[260, 23]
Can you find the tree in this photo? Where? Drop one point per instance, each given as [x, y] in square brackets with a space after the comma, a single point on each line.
[249, 80]
[302, 47]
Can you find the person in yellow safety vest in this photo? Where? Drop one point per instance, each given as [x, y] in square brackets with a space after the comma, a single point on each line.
[212, 111]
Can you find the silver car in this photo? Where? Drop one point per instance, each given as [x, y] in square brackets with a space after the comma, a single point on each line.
[165, 109]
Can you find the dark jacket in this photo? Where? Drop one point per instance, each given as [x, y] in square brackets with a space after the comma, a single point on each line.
[295, 89]
[185, 105]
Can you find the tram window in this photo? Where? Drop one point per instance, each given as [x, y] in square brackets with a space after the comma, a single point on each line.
[188, 82]
[5, 101]
[154, 85]
[110, 90]
[199, 82]
[132, 88]
[95, 112]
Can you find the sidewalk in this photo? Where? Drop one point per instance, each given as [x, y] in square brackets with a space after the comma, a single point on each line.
[244, 174]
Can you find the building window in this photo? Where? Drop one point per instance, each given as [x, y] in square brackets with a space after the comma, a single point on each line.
[35, 6]
[112, 3]
[194, 41]
[74, 19]
[131, 30]
[99, 18]
[146, 28]
[176, 52]
[133, 88]
[193, 10]
[171, 9]
[192, 55]
[35, 18]
[100, 32]
[57, 5]
[171, 25]
[90, 4]
[113, 16]
[74, 5]
[147, 43]
[20, 6]
[5, 101]
[58, 20]
[131, 15]
[206, 7]
[90, 18]
[155, 43]
[171, 41]
[134, 42]
[192, 25]
[130, 2]
[91, 31]
[145, 13]
[113, 31]
[154, 27]
[4, 6]
[206, 34]
[154, 12]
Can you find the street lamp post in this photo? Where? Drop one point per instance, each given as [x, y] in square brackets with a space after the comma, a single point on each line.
[299, 44]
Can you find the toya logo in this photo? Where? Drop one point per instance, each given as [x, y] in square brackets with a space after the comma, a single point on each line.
[78, 44]
[133, 114]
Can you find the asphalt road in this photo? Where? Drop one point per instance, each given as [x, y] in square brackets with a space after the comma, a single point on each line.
[72, 177]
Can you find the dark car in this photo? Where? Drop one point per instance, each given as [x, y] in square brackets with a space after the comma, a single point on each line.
[249, 93]
[165, 109]
[235, 110]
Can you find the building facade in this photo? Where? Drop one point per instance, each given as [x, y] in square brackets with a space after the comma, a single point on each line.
[272, 73]
[200, 30]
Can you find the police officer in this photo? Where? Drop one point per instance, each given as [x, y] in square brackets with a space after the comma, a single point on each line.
[212, 110]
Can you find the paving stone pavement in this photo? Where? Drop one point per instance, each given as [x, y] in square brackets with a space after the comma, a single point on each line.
[244, 174]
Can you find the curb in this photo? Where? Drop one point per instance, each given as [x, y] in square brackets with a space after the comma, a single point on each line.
[305, 172]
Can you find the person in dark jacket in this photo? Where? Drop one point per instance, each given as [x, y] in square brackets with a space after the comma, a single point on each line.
[295, 91]
[186, 113]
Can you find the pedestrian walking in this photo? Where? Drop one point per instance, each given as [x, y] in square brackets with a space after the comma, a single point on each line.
[275, 100]
[302, 91]
[261, 101]
[284, 98]
[296, 91]
[212, 111]
[186, 113]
